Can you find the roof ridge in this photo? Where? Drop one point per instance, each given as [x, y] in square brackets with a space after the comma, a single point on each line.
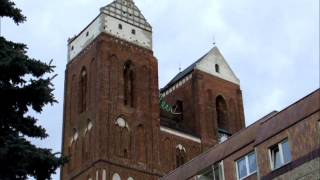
[183, 73]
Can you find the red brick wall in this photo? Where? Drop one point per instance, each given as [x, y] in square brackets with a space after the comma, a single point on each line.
[198, 96]
[104, 60]
[168, 150]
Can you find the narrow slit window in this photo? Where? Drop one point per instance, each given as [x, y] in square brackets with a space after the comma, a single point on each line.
[217, 68]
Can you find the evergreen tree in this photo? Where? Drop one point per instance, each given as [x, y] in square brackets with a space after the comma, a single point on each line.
[25, 84]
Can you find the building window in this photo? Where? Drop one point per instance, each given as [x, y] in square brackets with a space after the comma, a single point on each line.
[217, 68]
[104, 175]
[207, 175]
[215, 172]
[280, 154]
[221, 113]
[177, 110]
[72, 47]
[83, 90]
[120, 26]
[133, 31]
[180, 155]
[116, 176]
[247, 166]
[122, 138]
[128, 83]
[87, 34]
[223, 135]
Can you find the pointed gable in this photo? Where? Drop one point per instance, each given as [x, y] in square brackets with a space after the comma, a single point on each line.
[214, 63]
[121, 19]
[208, 64]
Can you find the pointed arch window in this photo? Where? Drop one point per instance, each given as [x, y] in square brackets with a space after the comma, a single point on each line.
[72, 147]
[223, 119]
[87, 135]
[221, 111]
[128, 77]
[104, 174]
[180, 155]
[83, 90]
[122, 138]
[116, 176]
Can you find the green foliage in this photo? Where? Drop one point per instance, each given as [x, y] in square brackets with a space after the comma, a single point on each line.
[25, 84]
[8, 10]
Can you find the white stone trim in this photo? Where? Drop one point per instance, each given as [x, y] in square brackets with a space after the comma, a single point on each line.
[180, 134]
[181, 148]
[177, 85]
[105, 23]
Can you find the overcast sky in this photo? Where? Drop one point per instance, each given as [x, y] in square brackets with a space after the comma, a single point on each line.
[272, 45]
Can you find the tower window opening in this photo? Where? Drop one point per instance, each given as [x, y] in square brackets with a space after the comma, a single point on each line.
[217, 68]
[178, 110]
[221, 112]
[83, 90]
[133, 31]
[87, 34]
[128, 77]
[180, 157]
[120, 26]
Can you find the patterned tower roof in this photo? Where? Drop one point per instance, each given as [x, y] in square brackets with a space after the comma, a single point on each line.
[127, 11]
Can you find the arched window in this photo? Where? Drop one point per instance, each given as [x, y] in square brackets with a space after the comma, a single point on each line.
[217, 68]
[97, 175]
[83, 90]
[128, 78]
[71, 98]
[122, 138]
[222, 113]
[72, 147]
[116, 176]
[86, 140]
[180, 155]
[104, 174]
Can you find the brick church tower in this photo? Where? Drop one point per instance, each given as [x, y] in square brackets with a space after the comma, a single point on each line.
[111, 111]
[114, 126]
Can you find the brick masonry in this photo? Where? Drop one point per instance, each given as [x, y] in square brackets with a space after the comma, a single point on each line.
[141, 150]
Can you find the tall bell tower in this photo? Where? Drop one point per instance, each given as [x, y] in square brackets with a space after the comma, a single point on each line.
[111, 109]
